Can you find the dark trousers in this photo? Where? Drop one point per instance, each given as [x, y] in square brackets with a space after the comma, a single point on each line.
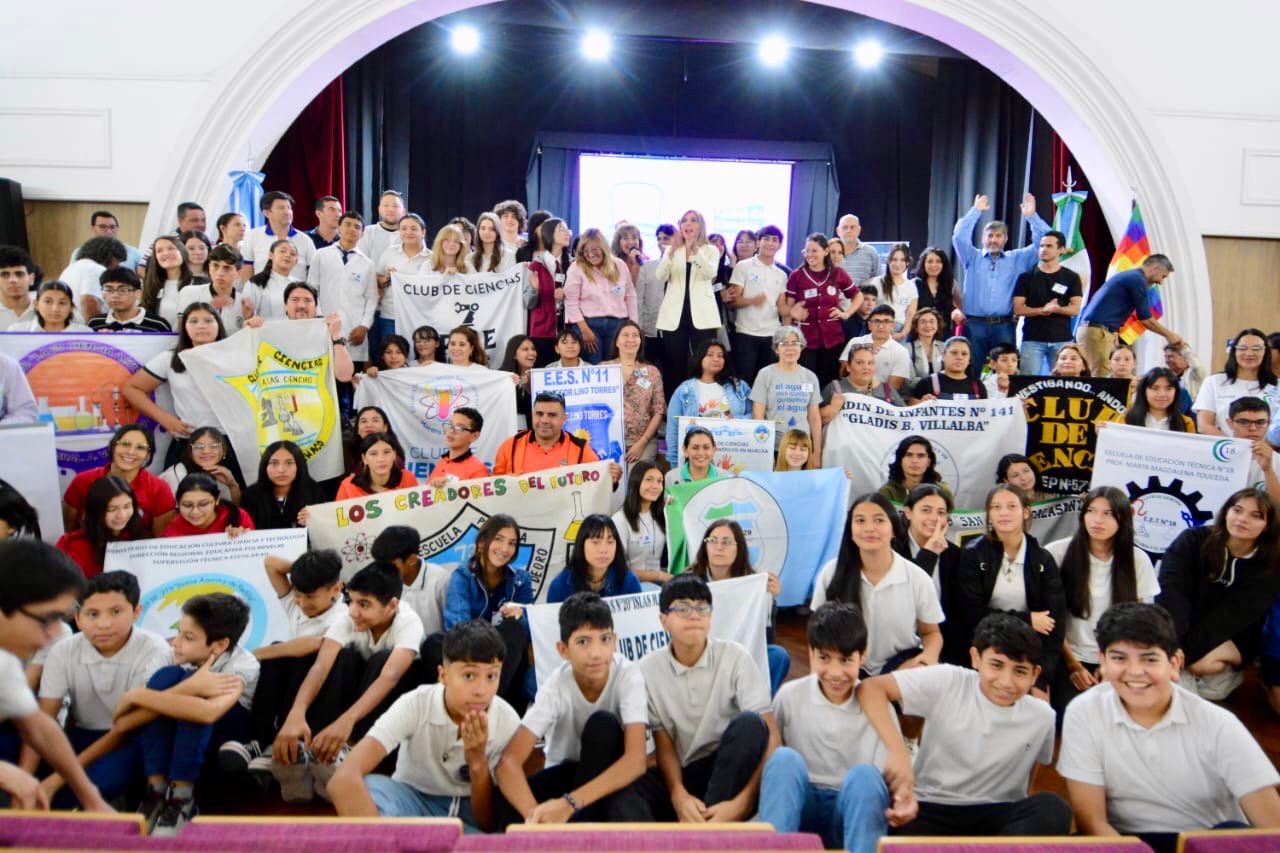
[177, 749]
[750, 354]
[713, 778]
[823, 362]
[677, 348]
[1039, 814]
[1167, 842]
[1062, 690]
[546, 348]
[515, 663]
[603, 742]
[350, 677]
[278, 684]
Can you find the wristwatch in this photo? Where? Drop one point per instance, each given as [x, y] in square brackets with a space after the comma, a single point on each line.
[568, 798]
[339, 342]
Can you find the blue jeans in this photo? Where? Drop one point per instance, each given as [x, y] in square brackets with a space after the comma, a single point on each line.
[114, 773]
[779, 666]
[851, 818]
[177, 749]
[1033, 354]
[983, 336]
[398, 799]
[604, 328]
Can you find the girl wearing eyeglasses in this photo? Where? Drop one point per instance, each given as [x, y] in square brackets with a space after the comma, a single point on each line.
[207, 451]
[1247, 373]
[128, 453]
[724, 554]
[201, 510]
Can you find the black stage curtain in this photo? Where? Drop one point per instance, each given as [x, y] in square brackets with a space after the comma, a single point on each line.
[911, 146]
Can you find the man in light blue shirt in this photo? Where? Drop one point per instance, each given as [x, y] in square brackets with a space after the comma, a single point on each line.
[990, 273]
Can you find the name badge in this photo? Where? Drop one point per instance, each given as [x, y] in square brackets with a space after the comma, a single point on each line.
[643, 382]
[959, 396]
[1059, 288]
[811, 293]
[617, 290]
[806, 387]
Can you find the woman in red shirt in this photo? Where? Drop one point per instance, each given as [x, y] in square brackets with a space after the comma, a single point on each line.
[128, 454]
[201, 510]
[812, 301]
[111, 514]
[381, 469]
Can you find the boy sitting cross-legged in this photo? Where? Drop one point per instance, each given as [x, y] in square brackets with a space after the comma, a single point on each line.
[825, 778]
[364, 664]
[194, 705]
[710, 715]
[983, 736]
[94, 669]
[1142, 756]
[593, 713]
[450, 736]
[308, 589]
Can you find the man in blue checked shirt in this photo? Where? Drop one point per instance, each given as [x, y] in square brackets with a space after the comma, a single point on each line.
[989, 275]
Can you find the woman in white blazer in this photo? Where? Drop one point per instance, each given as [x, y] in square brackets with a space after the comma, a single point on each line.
[689, 311]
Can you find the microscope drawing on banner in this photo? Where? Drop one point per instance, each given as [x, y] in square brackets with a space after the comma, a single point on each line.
[281, 411]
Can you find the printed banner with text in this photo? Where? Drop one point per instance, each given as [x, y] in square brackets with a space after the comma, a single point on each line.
[1051, 520]
[173, 570]
[274, 383]
[491, 303]
[592, 401]
[792, 520]
[76, 379]
[1062, 417]
[419, 401]
[739, 612]
[968, 436]
[1176, 480]
[548, 505]
[741, 445]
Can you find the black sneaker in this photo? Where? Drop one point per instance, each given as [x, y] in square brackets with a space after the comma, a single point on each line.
[234, 757]
[152, 802]
[173, 816]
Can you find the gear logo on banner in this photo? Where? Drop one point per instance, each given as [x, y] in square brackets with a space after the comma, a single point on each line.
[1161, 512]
[291, 398]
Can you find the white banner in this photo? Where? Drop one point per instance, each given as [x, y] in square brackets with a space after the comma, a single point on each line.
[419, 401]
[29, 463]
[968, 436]
[76, 379]
[548, 505]
[741, 445]
[593, 404]
[274, 383]
[739, 612]
[173, 570]
[491, 303]
[1176, 480]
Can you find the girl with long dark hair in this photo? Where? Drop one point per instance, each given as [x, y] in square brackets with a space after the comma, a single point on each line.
[897, 598]
[922, 539]
[166, 273]
[935, 285]
[545, 280]
[381, 468]
[284, 490]
[598, 563]
[129, 452]
[200, 324]
[711, 391]
[1247, 373]
[642, 524]
[110, 515]
[914, 462]
[1157, 403]
[264, 292]
[201, 510]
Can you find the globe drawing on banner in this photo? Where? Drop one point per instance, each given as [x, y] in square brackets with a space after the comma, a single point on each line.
[162, 606]
[752, 507]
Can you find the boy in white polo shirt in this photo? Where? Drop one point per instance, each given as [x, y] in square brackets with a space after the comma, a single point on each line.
[94, 669]
[450, 737]
[593, 712]
[1143, 757]
[826, 778]
[308, 589]
[709, 711]
[983, 737]
[362, 667]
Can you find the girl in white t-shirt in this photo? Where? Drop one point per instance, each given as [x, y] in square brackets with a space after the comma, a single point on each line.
[642, 526]
[897, 291]
[1100, 566]
[1247, 373]
[264, 294]
[200, 325]
[165, 275]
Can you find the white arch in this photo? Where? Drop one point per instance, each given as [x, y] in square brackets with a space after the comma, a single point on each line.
[1043, 59]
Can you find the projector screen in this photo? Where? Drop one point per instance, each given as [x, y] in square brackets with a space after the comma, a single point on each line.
[647, 191]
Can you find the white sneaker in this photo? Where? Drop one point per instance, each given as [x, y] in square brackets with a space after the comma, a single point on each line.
[296, 783]
[322, 773]
[1215, 688]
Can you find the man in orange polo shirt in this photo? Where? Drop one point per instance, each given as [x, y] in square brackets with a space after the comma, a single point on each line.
[547, 445]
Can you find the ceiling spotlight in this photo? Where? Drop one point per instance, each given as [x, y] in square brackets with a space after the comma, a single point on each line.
[773, 51]
[596, 45]
[465, 39]
[868, 53]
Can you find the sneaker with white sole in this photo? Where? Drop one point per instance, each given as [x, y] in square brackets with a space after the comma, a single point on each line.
[173, 816]
[260, 769]
[1217, 687]
[149, 808]
[322, 773]
[296, 783]
[235, 757]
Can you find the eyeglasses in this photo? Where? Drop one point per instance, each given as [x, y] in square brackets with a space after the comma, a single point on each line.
[790, 342]
[880, 320]
[124, 445]
[206, 446]
[1254, 349]
[688, 611]
[452, 427]
[1249, 423]
[195, 507]
[722, 541]
[108, 291]
[48, 620]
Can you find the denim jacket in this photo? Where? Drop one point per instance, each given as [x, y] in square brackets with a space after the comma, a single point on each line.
[684, 404]
[467, 598]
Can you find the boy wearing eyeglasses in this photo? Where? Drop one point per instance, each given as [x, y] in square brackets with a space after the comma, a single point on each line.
[1248, 418]
[460, 432]
[710, 714]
